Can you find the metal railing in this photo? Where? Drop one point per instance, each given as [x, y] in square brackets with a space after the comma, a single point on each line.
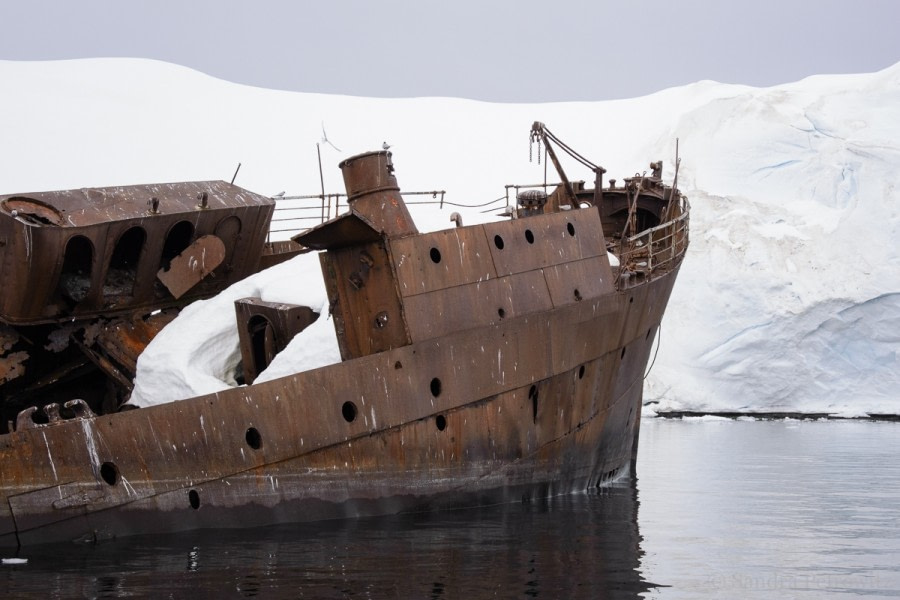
[296, 214]
[656, 250]
[648, 253]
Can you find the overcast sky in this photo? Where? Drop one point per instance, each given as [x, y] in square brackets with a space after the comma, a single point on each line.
[504, 50]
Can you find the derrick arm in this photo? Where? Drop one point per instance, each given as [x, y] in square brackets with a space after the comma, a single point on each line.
[540, 134]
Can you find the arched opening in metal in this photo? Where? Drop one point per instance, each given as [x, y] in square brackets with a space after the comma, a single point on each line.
[75, 277]
[123, 264]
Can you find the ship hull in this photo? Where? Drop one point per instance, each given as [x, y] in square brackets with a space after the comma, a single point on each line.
[536, 406]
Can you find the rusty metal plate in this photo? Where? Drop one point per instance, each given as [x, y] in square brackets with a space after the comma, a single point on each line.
[265, 329]
[575, 335]
[68, 501]
[544, 240]
[12, 364]
[441, 260]
[102, 253]
[114, 346]
[367, 312]
[90, 206]
[191, 266]
[580, 280]
[343, 231]
[462, 307]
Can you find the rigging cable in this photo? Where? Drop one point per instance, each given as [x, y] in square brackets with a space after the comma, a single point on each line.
[658, 342]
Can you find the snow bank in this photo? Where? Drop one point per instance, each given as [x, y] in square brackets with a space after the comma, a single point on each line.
[790, 295]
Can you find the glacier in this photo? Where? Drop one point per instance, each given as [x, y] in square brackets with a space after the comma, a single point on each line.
[788, 301]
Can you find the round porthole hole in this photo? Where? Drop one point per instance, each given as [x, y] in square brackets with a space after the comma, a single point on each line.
[253, 438]
[194, 499]
[349, 411]
[441, 422]
[435, 255]
[529, 237]
[498, 241]
[109, 473]
[435, 387]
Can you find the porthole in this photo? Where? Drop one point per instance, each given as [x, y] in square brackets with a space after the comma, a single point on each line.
[109, 473]
[577, 296]
[254, 439]
[435, 255]
[349, 411]
[529, 237]
[581, 372]
[441, 422]
[398, 365]
[498, 241]
[501, 313]
[570, 228]
[194, 499]
[435, 387]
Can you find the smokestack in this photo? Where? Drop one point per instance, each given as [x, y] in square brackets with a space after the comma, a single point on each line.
[373, 193]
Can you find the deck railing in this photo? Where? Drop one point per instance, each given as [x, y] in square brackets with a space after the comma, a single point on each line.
[296, 214]
[657, 250]
[642, 256]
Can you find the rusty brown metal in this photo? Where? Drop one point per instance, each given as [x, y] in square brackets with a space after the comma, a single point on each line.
[72, 260]
[362, 293]
[115, 345]
[11, 362]
[488, 363]
[376, 208]
[78, 254]
[374, 195]
[265, 329]
[192, 266]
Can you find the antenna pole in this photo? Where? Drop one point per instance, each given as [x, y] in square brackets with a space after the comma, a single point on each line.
[235, 173]
[321, 182]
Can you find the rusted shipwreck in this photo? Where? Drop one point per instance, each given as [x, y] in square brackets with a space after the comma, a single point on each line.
[489, 363]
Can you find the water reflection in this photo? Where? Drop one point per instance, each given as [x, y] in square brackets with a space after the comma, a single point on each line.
[582, 546]
[770, 509]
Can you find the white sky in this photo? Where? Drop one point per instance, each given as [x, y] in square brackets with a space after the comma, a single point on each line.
[503, 50]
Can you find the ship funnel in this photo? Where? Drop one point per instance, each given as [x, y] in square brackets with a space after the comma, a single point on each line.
[373, 193]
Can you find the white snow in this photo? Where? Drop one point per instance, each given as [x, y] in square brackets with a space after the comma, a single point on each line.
[789, 298]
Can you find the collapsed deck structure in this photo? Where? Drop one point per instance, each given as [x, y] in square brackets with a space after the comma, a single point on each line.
[490, 363]
[91, 275]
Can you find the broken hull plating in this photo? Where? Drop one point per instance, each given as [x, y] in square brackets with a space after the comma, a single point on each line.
[503, 423]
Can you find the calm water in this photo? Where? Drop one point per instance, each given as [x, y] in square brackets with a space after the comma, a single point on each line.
[719, 509]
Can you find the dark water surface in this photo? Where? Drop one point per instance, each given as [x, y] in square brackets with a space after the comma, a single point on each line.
[719, 509]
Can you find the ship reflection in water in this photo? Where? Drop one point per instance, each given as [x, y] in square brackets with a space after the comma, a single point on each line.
[577, 546]
[719, 509]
